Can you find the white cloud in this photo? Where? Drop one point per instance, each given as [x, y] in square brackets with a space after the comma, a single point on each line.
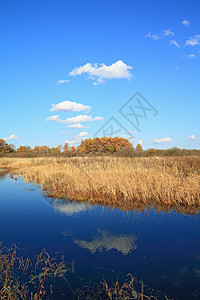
[11, 137]
[133, 132]
[82, 119]
[131, 138]
[193, 41]
[77, 138]
[63, 81]
[153, 36]
[74, 120]
[99, 73]
[72, 142]
[192, 137]
[64, 132]
[79, 126]
[163, 140]
[126, 136]
[173, 42]
[69, 106]
[82, 134]
[186, 23]
[190, 56]
[136, 141]
[168, 32]
[53, 118]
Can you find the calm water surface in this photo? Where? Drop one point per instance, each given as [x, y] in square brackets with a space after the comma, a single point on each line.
[162, 248]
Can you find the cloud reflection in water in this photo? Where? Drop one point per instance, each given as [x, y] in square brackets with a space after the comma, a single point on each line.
[105, 240]
[70, 208]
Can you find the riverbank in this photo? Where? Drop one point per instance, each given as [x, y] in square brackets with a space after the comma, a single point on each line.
[128, 183]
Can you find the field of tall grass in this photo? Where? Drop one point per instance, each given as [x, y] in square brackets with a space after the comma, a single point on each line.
[128, 183]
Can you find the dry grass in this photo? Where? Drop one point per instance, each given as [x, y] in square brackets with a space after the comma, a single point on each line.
[17, 274]
[28, 279]
[128, 183]
[116, 291]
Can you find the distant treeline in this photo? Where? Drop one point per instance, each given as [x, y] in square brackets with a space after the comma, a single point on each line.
[157, 152]
[96, 147]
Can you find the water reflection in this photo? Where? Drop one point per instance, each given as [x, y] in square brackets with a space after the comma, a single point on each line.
[167, 256]
[104, 240]
[108, 241]
[3, 174]
[69, 208]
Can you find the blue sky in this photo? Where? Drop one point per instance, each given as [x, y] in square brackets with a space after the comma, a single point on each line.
[99, 54]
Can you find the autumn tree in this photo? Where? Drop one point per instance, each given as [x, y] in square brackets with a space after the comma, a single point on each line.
[44, 149]
[103, 145]
[60, 147]
[36, 149]
[54, 151]
[152, 151]
[73, 151]
[24, 149]
[12, 146]
[139, 148]
[4, 147]
[66, 150]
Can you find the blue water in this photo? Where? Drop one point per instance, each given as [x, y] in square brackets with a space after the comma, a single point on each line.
[162, 248]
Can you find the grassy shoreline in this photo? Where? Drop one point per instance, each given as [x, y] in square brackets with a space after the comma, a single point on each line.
[127, 183]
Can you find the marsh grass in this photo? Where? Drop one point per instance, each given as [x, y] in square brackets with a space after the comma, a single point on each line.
[3, 173]
[127, 183]
[27, 278]
[130, 289]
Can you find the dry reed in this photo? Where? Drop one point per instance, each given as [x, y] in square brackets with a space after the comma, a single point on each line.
[128, 183]
[130, 289]
[17, 274]
[22, 279]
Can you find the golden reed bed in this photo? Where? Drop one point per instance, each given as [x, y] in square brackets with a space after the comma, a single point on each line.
[128, 183]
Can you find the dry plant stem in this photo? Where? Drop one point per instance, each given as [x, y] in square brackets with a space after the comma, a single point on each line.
[115, 291]
[45, 266]
[128, 183]
[13, 268]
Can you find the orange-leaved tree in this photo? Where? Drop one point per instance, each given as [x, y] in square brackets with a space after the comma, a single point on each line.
[103, 145]
[66, 150]
[24, 149]
[4, 147]
[139, 147]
